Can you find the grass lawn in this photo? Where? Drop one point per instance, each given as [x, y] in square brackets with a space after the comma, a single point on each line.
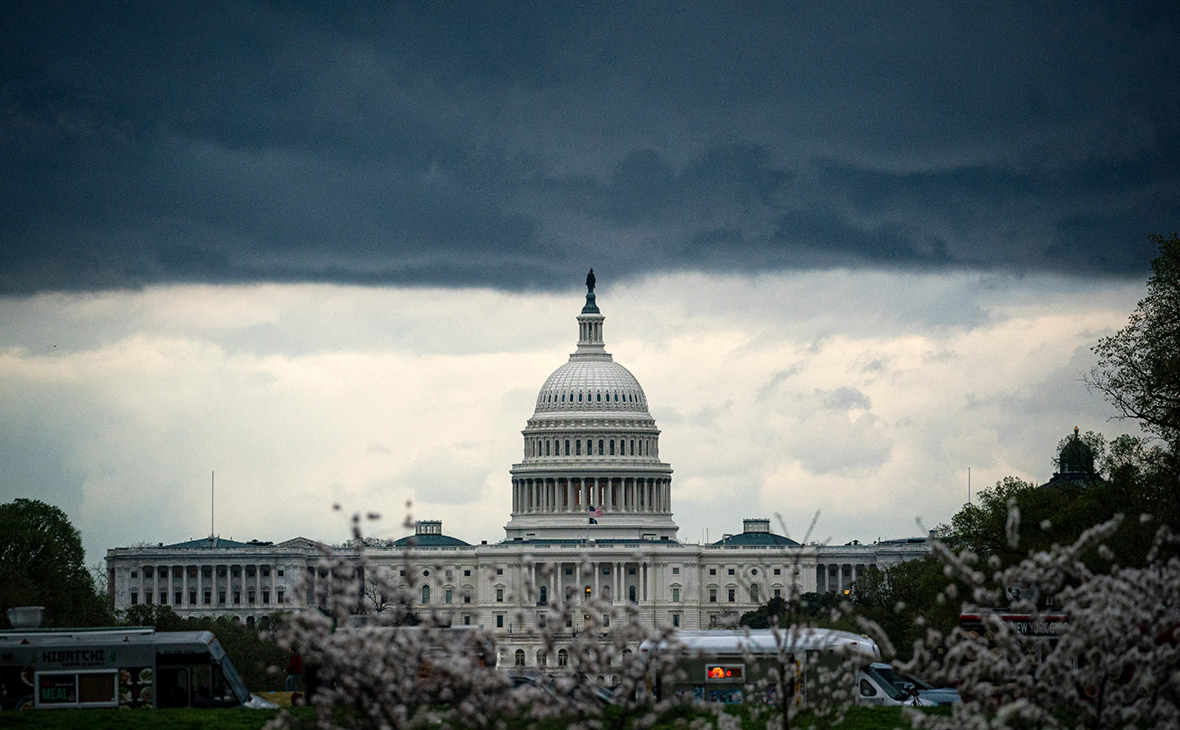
[858, 718]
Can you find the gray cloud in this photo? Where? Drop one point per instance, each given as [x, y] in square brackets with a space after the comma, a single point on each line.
[513, 146]
[844, 398]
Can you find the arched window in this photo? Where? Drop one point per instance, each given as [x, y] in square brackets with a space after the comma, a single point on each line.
[632, 447]
[563, 658]
[589, 447]
[426, 594]
[579, 397]
[544, 595]
[540, 657]
[600, 452]
[612, 447]
[578, 447]
[546, 448]
[563, 397]
[518, 658]
[567, 447]
[631, 594]
[599, 397]
[754, 597]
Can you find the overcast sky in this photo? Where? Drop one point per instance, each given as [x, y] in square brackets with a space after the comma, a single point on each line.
[849, 250]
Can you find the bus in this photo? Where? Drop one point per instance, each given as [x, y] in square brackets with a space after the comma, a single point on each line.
[129, 667]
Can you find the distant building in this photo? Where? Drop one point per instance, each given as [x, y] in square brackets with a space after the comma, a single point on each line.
[591, 517]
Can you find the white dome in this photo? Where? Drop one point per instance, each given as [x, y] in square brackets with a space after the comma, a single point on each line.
[591, 385]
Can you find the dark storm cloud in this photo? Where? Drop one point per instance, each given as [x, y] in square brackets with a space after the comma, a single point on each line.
[509, 146]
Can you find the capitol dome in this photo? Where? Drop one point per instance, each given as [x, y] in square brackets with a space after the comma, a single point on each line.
[591, 452]
[591, 385]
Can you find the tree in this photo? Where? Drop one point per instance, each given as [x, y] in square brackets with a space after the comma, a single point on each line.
[1138, 367]
[42, 563]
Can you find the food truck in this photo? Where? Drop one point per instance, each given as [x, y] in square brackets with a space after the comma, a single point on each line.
[732, 667]
[130, 667]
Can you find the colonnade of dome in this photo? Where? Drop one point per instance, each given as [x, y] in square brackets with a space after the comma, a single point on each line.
[579, 494]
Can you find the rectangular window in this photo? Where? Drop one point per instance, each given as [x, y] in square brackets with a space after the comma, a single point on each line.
[732, 595]
[466, 619]
[541, 620]
[712, 571]
[134, 598]
[675, 595]
[778, 593]
[466, 598]
[192, 598]
[606, 620]
[499, 621]
[778, 571]
[499, 595]
[676, 620]
[448, 594]
[265, 571]
[135, 574]
[499, 571]
[250, 598]
[467, 573]
[220, 598]
[676, 571]
[179, 598]
[208, 597]
[238, 597]
[265, 596]
[569, 571]
[164, 598]
[279, 595]
[731, 571]
[630, 571]
[712, 595]
[279, 572]
[147, 597]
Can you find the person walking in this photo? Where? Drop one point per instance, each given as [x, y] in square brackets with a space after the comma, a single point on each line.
[294, 669]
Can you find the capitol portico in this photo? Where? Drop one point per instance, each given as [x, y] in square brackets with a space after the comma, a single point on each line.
[592, 517]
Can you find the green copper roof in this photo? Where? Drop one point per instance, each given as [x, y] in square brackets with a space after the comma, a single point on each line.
[756, 538]
[430, 541]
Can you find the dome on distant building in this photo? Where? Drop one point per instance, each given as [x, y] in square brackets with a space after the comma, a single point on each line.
[1075, 464]
[756, 532]
[428, 533]
[591, 447]
[1075, 457]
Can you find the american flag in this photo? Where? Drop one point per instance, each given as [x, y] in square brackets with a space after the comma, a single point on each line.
[595, 511]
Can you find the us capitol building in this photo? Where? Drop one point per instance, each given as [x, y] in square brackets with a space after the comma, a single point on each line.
[591, 517]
